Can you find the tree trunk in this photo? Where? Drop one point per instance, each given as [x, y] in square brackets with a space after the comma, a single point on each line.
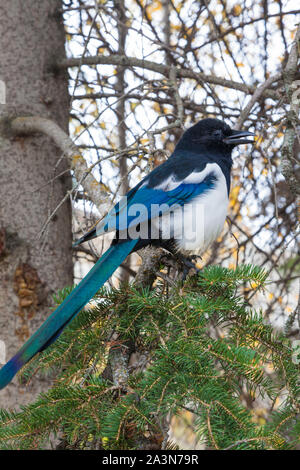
[31, 268]
[121, 115]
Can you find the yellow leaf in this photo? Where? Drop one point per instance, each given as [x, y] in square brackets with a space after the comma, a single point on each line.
[258, 140]
[237, 10]
[179, 6]
[277, 403]
[234, 195]
[150, 9]
[78, 129]
[102, 125]
[75, 158]
[88, 89]
[156, 107]
[133, 105]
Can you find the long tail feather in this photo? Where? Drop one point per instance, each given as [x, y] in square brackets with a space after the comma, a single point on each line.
[71, 306]
[92, 233]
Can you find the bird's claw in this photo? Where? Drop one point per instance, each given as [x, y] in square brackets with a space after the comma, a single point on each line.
[188, 265]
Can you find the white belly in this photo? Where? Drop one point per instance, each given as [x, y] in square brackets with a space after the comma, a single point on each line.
[196, 226]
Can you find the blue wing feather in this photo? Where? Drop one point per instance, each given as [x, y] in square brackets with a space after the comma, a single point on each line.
[121, 217]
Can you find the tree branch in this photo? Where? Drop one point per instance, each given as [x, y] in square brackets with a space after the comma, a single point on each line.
[255, 97]
[164, 70]
[292, 121]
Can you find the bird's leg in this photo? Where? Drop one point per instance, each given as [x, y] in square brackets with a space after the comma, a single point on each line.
[187, 263]
[179, 262]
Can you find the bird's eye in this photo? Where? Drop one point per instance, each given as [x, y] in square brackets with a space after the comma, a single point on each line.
[218, 134]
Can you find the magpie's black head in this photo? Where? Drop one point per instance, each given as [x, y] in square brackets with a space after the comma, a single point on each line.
[214, 134]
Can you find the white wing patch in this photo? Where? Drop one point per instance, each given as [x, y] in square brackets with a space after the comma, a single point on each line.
[196, 177]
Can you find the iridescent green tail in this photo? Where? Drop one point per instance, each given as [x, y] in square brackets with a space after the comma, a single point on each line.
[71, 306]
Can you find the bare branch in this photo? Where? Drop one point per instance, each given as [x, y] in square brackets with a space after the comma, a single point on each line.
[255, 97]
[164, 70]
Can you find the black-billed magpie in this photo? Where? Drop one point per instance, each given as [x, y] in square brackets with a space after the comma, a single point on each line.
[181, 205]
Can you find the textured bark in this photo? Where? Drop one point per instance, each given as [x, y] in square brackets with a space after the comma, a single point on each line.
[31, 269]
[30, 125]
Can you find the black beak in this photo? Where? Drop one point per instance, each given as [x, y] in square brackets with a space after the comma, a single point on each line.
[238, 137]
